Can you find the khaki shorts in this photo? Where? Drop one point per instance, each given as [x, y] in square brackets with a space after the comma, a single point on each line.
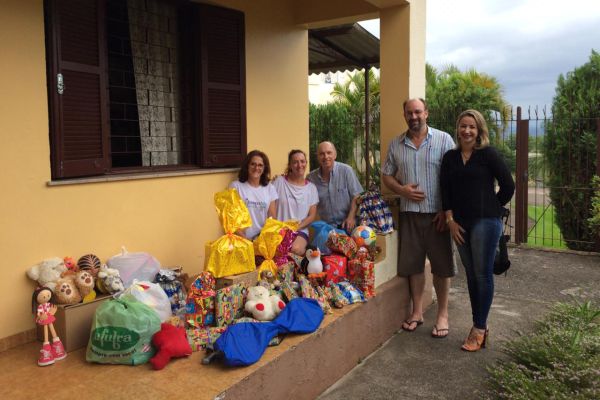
[418, 239]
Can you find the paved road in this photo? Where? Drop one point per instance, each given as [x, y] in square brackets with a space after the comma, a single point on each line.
[416, 366]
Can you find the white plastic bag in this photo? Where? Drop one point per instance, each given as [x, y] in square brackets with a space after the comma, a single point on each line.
[140, 266]
[151, 295]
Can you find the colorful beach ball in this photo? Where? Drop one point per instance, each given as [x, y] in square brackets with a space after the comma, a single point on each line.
[364, 235]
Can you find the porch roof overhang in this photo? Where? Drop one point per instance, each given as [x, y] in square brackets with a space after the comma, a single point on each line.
[340, 48]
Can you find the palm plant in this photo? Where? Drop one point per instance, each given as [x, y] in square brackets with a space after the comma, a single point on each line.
[351, 95]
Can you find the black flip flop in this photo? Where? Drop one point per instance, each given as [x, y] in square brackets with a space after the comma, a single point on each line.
[409, 323]
[437, 332]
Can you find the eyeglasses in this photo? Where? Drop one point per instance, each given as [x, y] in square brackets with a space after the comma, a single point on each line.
[256, 165]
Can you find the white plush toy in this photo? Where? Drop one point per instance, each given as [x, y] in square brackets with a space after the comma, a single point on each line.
[262, 306]
[47, 272]
[109, 280]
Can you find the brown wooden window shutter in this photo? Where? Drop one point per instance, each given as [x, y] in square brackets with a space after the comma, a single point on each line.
[79, 116]
[222, 86]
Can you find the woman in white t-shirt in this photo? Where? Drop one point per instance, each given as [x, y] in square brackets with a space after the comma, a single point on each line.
[257, 192]
[298, 198]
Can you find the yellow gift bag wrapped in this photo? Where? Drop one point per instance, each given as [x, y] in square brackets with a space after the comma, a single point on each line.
[273, 225]
[230, 254]
[266, 245]
[287, 231]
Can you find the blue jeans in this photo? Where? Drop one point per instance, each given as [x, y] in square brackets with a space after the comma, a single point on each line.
[477, 255]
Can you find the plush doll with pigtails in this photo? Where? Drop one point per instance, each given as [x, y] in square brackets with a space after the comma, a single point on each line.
[43, 306]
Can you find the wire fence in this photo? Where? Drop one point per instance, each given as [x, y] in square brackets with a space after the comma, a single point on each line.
[552, 161]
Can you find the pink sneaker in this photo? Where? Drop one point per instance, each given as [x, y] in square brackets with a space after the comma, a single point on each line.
[58, 350]
[46, 357]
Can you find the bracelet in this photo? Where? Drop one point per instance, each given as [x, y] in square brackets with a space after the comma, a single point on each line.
[448, 220]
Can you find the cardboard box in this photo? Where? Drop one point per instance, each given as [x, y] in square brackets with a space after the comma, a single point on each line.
[249, 278]
[386, 263]
[73, 323]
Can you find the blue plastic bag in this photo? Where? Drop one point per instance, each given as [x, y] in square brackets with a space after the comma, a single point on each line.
[321, 233]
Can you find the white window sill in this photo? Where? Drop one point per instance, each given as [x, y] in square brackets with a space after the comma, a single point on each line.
[137, 176]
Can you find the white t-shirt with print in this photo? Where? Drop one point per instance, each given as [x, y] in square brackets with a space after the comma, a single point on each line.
[295, 201]
[257, 200]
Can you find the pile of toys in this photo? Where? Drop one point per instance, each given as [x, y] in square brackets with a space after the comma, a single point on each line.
[159, 313]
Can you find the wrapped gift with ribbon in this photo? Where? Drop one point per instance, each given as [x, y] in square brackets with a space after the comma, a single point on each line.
[265, 245]
[230, 254]
[287, 231]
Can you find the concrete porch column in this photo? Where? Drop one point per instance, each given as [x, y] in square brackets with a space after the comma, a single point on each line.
[402, 55]
[402, 61]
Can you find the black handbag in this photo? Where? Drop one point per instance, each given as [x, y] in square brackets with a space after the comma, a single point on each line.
[501, 261]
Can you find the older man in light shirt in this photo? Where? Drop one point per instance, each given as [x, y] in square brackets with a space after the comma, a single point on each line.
[338, 189]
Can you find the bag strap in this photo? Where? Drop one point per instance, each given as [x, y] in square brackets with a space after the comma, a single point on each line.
[505, 216]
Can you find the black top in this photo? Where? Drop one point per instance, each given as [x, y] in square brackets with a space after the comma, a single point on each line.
[468, 189]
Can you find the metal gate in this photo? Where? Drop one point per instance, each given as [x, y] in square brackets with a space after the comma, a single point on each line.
[537, 221]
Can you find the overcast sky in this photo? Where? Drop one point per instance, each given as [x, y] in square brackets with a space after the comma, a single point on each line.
[525, 44]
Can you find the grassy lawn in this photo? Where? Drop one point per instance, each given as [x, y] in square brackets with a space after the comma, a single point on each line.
[545, 233]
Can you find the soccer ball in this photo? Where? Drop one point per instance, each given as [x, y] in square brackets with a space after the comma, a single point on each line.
[364, 235]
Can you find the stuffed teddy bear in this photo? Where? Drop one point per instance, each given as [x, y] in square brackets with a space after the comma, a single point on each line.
[268, 280]
[262, 306]
[47, 272]
[72, 289]
[66, 291]
[171, 341]
[84, 281]
[109, 280]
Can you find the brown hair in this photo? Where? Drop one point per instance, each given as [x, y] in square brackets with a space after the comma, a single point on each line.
[290, 155]
[265, 177]
[36, 292]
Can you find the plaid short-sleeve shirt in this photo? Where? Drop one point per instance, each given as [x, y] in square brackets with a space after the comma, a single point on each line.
[422, 166]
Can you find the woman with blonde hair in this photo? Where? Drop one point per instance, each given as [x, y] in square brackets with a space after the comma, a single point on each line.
[473, 212]
[298, 198]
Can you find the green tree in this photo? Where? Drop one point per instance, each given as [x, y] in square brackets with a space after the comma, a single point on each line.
[570, 151]
[351, 95]
[451, 91]
[331, 122]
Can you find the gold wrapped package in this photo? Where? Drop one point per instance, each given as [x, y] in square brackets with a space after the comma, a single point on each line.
[266, 245]
[287, 231]
[230, 254]
[274, 225]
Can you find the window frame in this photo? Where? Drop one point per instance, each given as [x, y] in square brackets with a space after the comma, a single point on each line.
[197, 34]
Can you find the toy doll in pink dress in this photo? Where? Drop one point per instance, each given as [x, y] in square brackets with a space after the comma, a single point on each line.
[43, 306]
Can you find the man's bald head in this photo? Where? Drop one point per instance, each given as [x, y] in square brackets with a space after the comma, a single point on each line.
[326, 153]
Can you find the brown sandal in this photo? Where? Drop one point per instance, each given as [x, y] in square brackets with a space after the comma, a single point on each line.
[475, 341]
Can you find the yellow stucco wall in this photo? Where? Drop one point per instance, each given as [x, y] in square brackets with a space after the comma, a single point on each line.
[169, 217]
[402, 66]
